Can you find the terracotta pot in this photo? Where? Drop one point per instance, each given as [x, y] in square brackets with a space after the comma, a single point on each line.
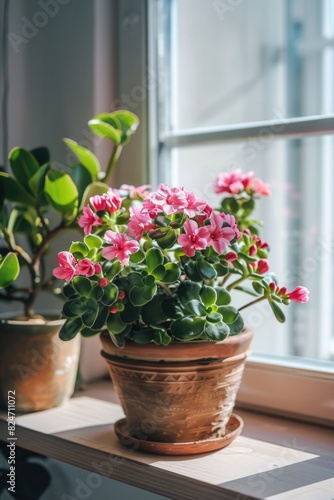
[181, 393]
[36, 364]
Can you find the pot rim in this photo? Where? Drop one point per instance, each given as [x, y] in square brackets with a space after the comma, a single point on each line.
[51, 319]
[181, 351]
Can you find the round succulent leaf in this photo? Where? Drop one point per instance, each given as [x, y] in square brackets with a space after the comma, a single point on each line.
[168, 240]
[152, 312]
[72, 308]
[220, 269]
[96, 293]
[139, 296]
[111, 269]
[216, 331]
[144, 336]
[154, 258]
[149, 280]
[230, 205]
[237, 325]
[70, 329]
[187, 291]
[197, 307]
[68, 291]
[214, 317]
[191, 271]
[206, 270]
[93, 241]
[110, 294]
[101, 317]
[91, 312]
[79, 248]
[130, 313]
[172, 272]
[208, 295]
[159, 273]
[115, 324]
[171, 307]
[88, 332]
[138, 257]
[135, 279]
[223, 296]
[187, 328]
[82, 285]
[229, 313]
[161, 337]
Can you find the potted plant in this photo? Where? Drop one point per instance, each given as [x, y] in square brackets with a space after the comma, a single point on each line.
[156, 273]
[38, 203]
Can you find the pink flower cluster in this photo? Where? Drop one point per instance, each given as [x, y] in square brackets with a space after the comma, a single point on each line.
[236, 182]
[108, 202]
[171, 201]
[68, 267]
[299, 294]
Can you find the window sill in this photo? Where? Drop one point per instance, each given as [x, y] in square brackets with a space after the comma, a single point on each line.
[274, 457]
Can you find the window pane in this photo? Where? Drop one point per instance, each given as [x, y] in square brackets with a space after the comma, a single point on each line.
[298, 226]
[248, 60]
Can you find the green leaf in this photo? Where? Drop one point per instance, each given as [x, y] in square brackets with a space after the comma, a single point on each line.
[223, 296]
[279, 315]
[104, 129]
[208, 295]
[111, 269]
[171, 307]
[137, 257]
[152, 313]
[161, 337]
[172, 272]
[230, 205]
[70, 329]
[130, 313]
[159, 273]
[37, 181]
[91, 312]
[229, 313]
[79, 248]
[42, 155]
[188, 291]
[9, 269]
[135, 279]
[85, 157]
[216, 331]
[206, 270]
[154, 258]
[81, 178]
[258, 287]
[141, 295]
[237, 325]
[24, 165]
[168, 240]
[82, 285]
[110, 293]
[73, 308]
[101, 317]
[14, 191]
[144, 336]
[187, 328]
[61, 191]
[115, 324]
[96, 292]
[93, 241]
[214, 317]
[191, 271]
[197, 307]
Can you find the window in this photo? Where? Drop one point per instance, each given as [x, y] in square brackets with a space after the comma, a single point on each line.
[249, 83]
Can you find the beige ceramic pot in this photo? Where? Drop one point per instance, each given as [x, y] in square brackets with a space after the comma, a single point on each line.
[36, 364]
[183, 393]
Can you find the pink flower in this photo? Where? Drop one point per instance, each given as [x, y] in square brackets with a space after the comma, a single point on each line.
[65, 270]
[207, 211]
[195, 238]
[150, 208]
[88, 219]
[299, 294]
[194, 205]
[137, 193]
[230, 256]
[230, 220]
[121, 247]
[257, 186]
[85, 267]
[113, 309]
[170, 200]
[139, 223]
[232, 182]
[121, 295]
[98, 268]
[109, 202]
[220, 237]
[262, 266]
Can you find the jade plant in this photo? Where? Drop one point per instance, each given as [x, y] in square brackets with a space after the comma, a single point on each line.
[39, 202]
[163, 266]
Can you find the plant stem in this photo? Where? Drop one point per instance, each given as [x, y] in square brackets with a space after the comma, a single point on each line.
[165, 287]
[236, 282]
[259, 299]
[112, 162]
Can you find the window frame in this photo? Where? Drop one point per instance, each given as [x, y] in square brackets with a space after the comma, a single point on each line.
[266, 377]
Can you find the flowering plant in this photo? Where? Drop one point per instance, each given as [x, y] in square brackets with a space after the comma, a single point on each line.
[161, 266]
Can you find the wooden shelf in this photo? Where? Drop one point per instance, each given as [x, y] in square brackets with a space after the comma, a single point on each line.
[273, 458]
